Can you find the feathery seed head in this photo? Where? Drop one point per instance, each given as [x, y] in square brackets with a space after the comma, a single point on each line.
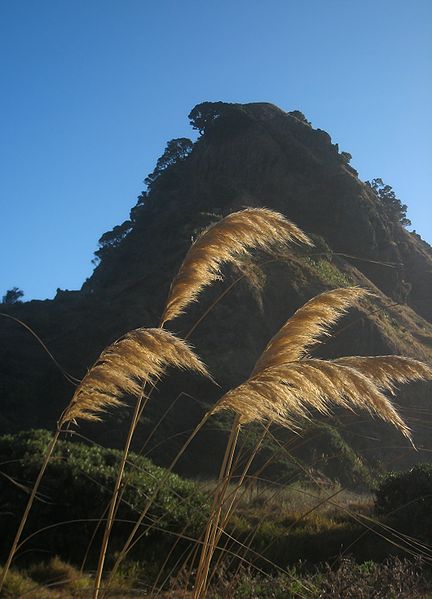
[287, 388]
[292, 392]
[140, 357]
[225, 242]
[307, 325]
[387, 371]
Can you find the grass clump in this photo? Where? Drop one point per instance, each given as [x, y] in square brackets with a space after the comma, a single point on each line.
[287, 387]
[59, 574]
[394, 578]
[19, 585]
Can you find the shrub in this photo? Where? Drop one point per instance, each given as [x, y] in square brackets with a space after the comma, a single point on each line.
[407, 498]
[78, 486]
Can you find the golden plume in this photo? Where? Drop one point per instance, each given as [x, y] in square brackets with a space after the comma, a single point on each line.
[225, 242]
[141, 356]
[287, 394]
[287, 388]
[386, 371]
[307, 325]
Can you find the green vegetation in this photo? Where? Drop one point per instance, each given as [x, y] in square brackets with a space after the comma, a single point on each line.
[332, 456]
[406, 499]
[328, 272]
[395, 578]
[77, 489]
[298, 535]
[281, 523]
[55, 578]
[320, 258]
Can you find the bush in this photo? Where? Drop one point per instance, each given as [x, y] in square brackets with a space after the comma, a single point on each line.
[76, 490]
[407, 498]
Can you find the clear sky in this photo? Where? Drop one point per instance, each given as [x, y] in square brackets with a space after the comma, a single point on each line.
[93, 89]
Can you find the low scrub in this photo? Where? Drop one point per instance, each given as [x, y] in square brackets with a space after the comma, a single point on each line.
[406, 498]
[393, 579]
[76, 492]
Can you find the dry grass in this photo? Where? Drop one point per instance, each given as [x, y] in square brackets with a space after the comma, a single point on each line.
[287, 388]
[227, 242]
[143, 354]
[305, 328]
[140, 357]
[387, 371]
[292, 393]
[295, 499]
[404, 579]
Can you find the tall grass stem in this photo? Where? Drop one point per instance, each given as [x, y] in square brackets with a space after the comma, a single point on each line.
[30, 501]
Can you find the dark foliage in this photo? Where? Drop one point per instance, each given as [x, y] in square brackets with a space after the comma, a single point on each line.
[175, 151]
[207, 115]
[406, 497]
[112, 239]
[12, 296]
[395, 578]
[332, 456]
[395, 210]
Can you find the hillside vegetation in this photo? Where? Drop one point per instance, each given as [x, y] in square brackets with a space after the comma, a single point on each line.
[254, 155]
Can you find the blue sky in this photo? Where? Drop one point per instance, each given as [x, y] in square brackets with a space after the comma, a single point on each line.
[93, 90]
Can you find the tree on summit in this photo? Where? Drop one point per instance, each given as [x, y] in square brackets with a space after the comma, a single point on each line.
[206, 115]
[13, 296]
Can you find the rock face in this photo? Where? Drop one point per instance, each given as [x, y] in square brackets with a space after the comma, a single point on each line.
[247, 155]
[258, 155]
